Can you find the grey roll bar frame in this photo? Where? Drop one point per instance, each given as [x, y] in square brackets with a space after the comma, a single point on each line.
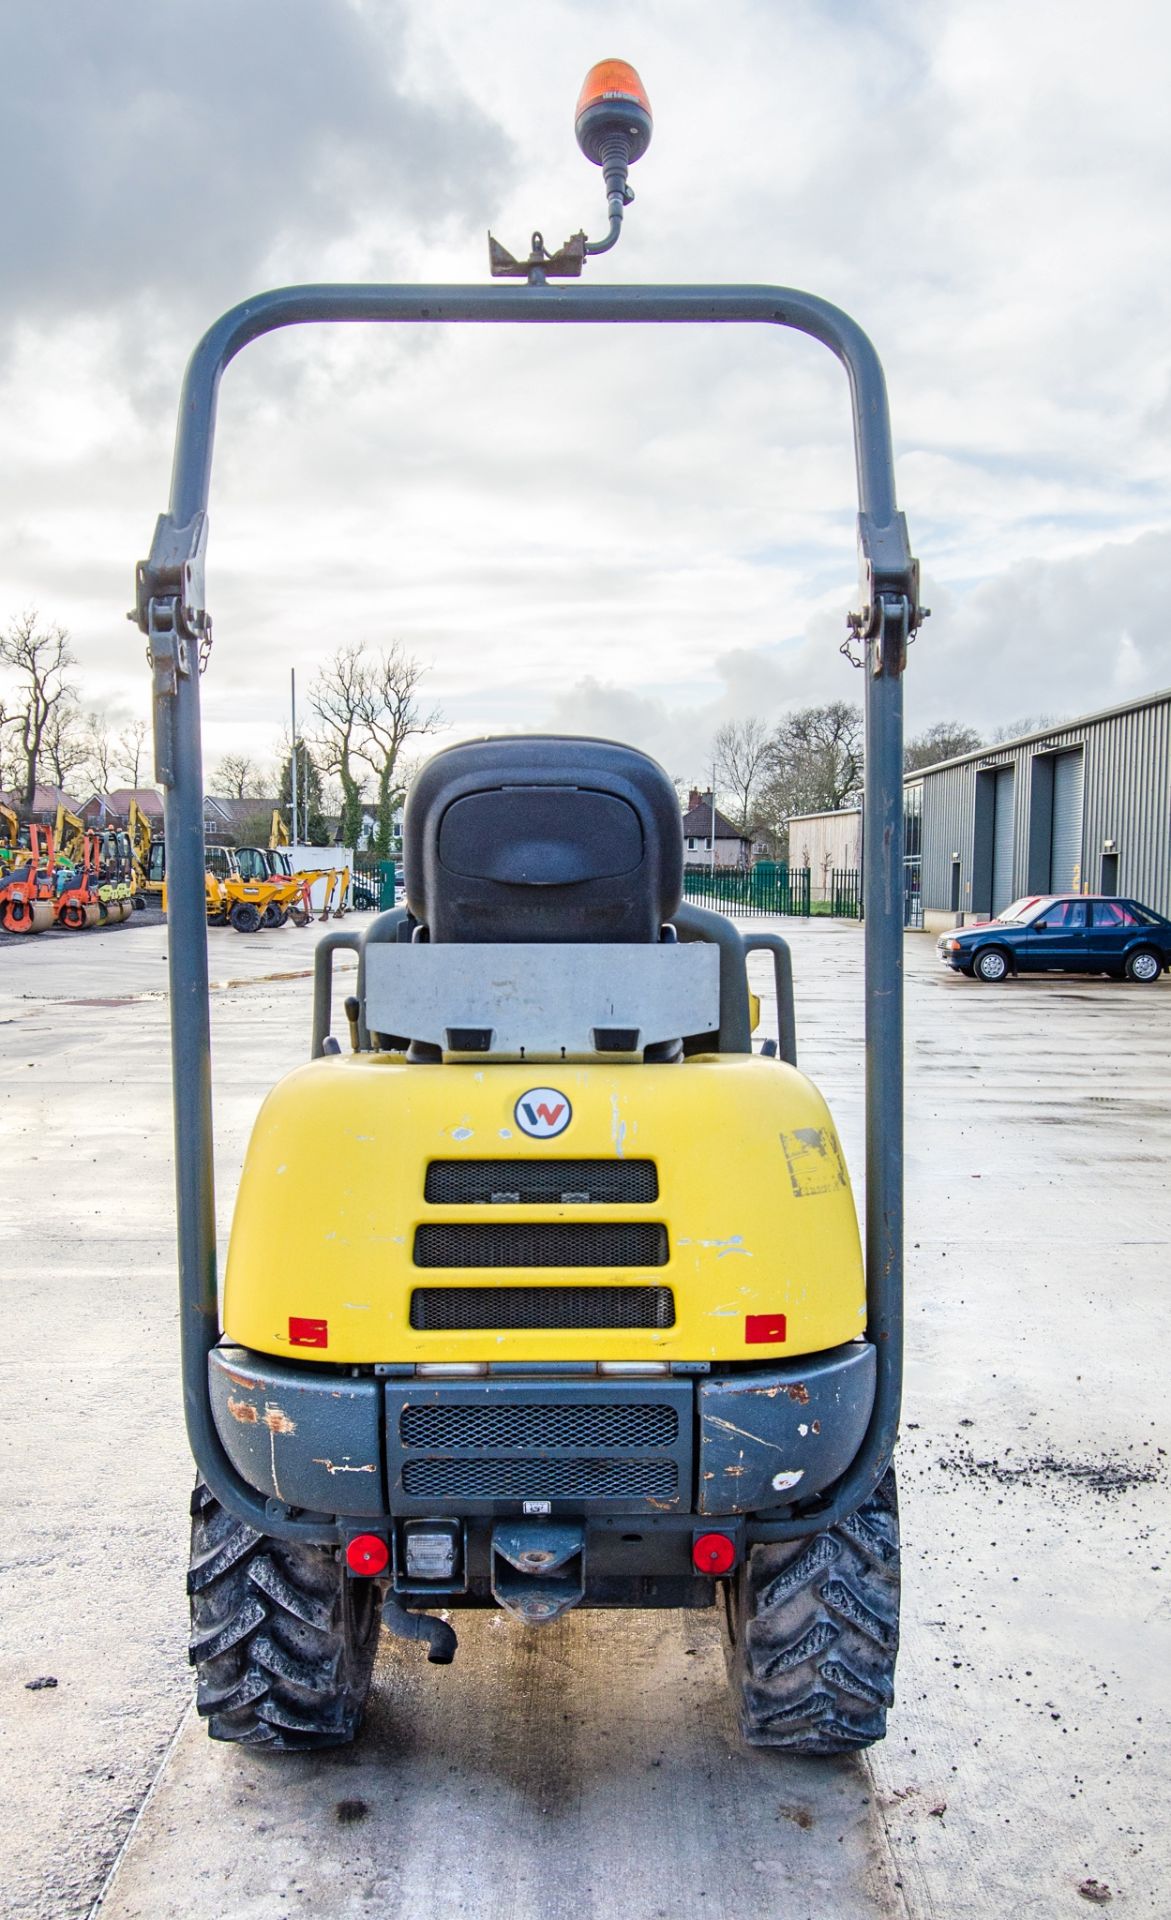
[172, 611]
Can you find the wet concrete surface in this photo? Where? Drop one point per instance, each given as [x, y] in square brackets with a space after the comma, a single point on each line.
[593, 1767]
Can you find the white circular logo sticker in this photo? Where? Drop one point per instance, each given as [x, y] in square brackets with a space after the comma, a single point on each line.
[543, 1113]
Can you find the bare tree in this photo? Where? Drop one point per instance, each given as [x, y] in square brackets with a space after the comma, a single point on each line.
[41, 658]
[337, 697]
[1017, 729]
[238, 777]
[65, 745]
[97, 748]
[390, 715]
[946, 740]
[132, 750]
[9, 748]
[743, 752]
[815, 766]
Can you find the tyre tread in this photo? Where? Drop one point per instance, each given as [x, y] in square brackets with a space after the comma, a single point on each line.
[812, 1666]
[282, 1642]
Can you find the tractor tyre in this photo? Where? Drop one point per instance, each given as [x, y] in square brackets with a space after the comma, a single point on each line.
[813, 1631]
[245, 916]
[274, 915]
[282, 1639]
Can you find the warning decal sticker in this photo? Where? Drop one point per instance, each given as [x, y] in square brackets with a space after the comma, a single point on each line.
[815, 1161]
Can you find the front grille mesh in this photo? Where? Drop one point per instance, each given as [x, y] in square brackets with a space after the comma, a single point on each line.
[534, 1309]
[540, 1479]
[452, 1183]
[618, 1426]
[542, 1243]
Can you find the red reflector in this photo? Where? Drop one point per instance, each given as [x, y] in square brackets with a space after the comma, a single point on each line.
[308, 1333]
[713, 1553]
[366, 1553]
[762, 1329]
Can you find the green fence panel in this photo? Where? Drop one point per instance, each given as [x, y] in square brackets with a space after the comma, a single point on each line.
[741, 892]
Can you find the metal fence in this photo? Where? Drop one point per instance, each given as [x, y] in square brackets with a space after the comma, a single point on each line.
[741, 892]
[845, 893]
[374, 879]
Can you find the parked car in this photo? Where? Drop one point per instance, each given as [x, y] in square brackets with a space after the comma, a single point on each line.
[1088, 933]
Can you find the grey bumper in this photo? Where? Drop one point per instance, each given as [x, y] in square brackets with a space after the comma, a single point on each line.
[307, 1439]
[747, 1442]
[769, 1439]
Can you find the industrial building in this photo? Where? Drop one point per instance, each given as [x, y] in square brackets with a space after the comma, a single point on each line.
[1084, 806]
[1081, 807]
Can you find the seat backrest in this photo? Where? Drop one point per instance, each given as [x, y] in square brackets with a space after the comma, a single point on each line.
[543, 838]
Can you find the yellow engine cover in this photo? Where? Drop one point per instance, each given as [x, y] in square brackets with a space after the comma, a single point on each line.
[761, 1256]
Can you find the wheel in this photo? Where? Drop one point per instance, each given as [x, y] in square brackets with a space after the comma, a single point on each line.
[72, 915]
[991, 963]
[813, 1632]
[1143, 965]
[245, 916]
[274, 915]
[140, 903]
[18, 916]
[282, 1640]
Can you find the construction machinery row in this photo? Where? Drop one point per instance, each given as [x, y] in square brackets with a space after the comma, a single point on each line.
[73, 876]
[250, 888]
[67, 875]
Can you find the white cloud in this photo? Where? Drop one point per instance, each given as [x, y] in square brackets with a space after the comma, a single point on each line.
[643, 533]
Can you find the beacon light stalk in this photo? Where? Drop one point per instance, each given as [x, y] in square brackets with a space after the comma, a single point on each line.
[613, 126]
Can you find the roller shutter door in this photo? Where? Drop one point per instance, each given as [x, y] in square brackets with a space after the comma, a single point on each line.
[1002, 840]
[1066, 855]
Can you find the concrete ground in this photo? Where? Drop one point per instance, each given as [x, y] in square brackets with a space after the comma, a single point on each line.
[592, 1768]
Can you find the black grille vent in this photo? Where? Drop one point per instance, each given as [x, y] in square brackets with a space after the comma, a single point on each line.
[522, 1309]
[462, 1183]
[619, 1426]
[541, 1243]
[541, 1479]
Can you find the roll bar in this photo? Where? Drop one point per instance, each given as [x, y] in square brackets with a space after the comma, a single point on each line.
[171, 609]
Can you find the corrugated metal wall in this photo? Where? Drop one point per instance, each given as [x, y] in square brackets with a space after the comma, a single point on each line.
[948, 802]
[1004, 839]
[1126, 798]
[1067, 862]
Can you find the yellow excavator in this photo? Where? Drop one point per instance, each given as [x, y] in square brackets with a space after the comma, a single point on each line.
[232, 899]
[272, 863]
[337, 879]
[141, 841]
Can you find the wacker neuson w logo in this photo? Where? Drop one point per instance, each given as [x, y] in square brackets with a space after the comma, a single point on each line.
[543, 1113]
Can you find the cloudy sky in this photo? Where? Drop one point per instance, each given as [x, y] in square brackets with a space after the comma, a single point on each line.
[637, 533]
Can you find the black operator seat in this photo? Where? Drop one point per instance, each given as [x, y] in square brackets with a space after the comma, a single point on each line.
[543, 838]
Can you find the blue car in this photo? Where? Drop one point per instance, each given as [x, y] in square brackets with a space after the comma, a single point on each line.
[1043, 933]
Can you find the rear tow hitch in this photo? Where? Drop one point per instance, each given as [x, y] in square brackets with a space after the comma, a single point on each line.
[538, 1571]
